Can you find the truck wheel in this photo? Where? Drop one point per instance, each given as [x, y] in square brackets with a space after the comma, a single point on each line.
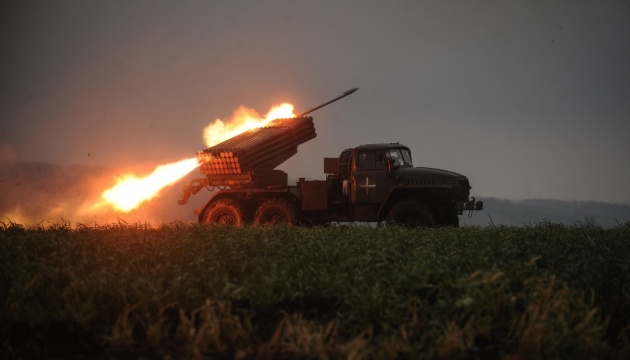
[276, 211]
[227, 212]
[411, 213]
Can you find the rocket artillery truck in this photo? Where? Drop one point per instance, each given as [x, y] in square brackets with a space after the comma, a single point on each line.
[367, 183]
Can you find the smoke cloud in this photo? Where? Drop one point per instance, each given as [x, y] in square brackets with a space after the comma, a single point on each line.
[42, 193]
[7, 154]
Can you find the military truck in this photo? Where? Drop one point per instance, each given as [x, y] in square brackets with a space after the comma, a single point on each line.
[368, 183]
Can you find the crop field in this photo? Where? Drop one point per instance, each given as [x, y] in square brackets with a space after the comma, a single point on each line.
[191, 291]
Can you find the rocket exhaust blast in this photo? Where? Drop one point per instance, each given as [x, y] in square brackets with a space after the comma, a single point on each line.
[328, 102]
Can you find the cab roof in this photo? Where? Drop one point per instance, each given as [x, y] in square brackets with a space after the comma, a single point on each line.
[381, 146]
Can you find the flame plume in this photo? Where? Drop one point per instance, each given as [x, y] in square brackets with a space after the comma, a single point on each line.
[243, 119]
[131, 191]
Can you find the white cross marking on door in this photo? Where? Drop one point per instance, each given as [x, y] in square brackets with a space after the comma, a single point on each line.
[367, 186]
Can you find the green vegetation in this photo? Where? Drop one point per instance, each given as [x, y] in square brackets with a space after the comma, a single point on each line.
[191, 291]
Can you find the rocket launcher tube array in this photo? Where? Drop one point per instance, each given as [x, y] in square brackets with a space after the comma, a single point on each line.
[257, 150]
[235, 161]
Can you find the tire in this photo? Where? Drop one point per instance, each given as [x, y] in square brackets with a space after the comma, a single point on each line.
[411, 213]
[225, 212]
[276, 211]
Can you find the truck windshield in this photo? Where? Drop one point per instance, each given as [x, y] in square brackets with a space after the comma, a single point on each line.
[401, 157]
[406, 154]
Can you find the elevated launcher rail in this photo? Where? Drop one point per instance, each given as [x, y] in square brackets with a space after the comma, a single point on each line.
[256, 151]
[248, 159]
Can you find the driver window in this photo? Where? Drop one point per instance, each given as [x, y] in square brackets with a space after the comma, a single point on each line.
[394, 155]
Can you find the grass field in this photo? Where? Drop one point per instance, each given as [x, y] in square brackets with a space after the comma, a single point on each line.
[191, 291]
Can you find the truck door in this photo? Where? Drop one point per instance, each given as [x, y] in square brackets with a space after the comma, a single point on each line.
[369, 178]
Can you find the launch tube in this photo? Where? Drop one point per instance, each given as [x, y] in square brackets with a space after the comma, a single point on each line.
[328, 102]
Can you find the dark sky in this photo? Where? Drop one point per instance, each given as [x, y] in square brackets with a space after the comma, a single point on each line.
[529, 99]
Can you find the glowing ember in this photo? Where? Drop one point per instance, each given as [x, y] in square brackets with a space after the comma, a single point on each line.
[244, 119]
[131, 191]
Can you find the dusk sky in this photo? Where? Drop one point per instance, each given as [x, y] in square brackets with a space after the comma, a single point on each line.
[529, 99]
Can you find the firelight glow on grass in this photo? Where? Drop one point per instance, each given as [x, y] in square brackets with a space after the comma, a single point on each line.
[189, 291]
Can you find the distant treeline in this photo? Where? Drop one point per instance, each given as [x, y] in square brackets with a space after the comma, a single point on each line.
[527, 212]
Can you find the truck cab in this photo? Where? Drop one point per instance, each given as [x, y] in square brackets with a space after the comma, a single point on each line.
[381, 184]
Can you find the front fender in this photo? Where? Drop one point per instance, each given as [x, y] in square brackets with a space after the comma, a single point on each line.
[418, 192]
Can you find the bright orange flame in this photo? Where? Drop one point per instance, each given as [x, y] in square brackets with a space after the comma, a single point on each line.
[131, 191]
[243, 119]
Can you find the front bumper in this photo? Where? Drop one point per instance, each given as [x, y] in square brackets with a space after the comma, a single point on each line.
[469, 205]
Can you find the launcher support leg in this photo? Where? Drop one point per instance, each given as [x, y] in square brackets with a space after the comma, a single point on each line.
[192, 188]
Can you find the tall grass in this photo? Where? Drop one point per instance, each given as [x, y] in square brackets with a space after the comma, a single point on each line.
[191, 291]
